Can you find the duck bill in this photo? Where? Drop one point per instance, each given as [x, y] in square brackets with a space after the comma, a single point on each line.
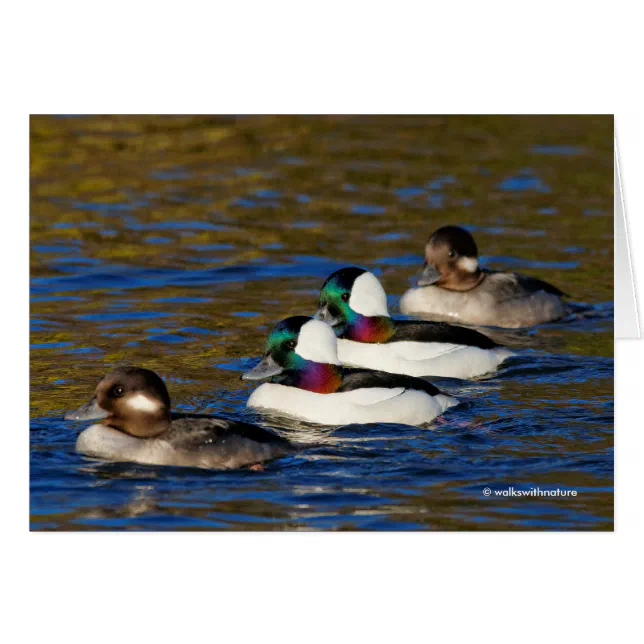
[267, 368]
[430, 275]
[89, 411]
[324, 316]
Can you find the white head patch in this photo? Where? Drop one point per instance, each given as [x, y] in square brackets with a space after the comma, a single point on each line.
[368, 297]
[317, 342]
[468, 264]
[140, 402]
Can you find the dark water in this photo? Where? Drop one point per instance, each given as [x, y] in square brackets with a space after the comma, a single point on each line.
[176, 244]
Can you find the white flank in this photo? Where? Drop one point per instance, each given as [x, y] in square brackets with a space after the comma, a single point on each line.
[422, 358]
[486, 305]
[368, 297]
[368, 405]
[110, 444]
[317, 342]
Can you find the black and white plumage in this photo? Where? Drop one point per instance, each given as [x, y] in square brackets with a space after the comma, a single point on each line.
[354, 303]
[417, 331]
[353, 379]
[306, 381]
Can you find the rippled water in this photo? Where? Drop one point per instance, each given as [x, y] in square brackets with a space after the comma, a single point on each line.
[175, 243]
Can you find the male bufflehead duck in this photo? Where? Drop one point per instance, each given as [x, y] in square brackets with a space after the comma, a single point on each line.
[453, 286]
[138, 427]
[308, 382]
[354, 303]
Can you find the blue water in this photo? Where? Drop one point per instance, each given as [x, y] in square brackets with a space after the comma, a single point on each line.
[180, 253]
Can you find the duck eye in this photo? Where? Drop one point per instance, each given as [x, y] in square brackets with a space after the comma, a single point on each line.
[345, 297]
[290, 345]
[322, 304]
[118, 391]
[452, 253]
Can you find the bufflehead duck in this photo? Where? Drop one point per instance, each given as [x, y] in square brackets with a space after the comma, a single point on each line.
[354, 303]
[453, 286]
[137, 426]
[307, 381]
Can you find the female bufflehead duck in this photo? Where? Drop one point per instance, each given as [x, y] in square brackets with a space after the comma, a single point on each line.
[308, 382]
[354, 303]
[138, 427]
[454, 287]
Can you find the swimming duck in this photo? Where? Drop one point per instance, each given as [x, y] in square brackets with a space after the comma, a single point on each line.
[453, 286]
[354, 303]
[137, 426]
[306, 381]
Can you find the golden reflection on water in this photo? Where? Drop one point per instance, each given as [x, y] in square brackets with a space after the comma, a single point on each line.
[170, 208]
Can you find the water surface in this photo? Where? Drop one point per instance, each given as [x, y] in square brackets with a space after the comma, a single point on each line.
[176, 243]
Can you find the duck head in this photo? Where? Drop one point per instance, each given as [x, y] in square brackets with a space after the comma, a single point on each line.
[130, 399]
[353, 302]
[300, 352]
[451, 260]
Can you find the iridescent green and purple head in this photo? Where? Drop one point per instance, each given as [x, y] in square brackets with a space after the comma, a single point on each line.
[300, 352]
[353, 302]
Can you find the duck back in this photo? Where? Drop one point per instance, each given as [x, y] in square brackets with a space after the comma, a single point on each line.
[507, 300]
[205, 442]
